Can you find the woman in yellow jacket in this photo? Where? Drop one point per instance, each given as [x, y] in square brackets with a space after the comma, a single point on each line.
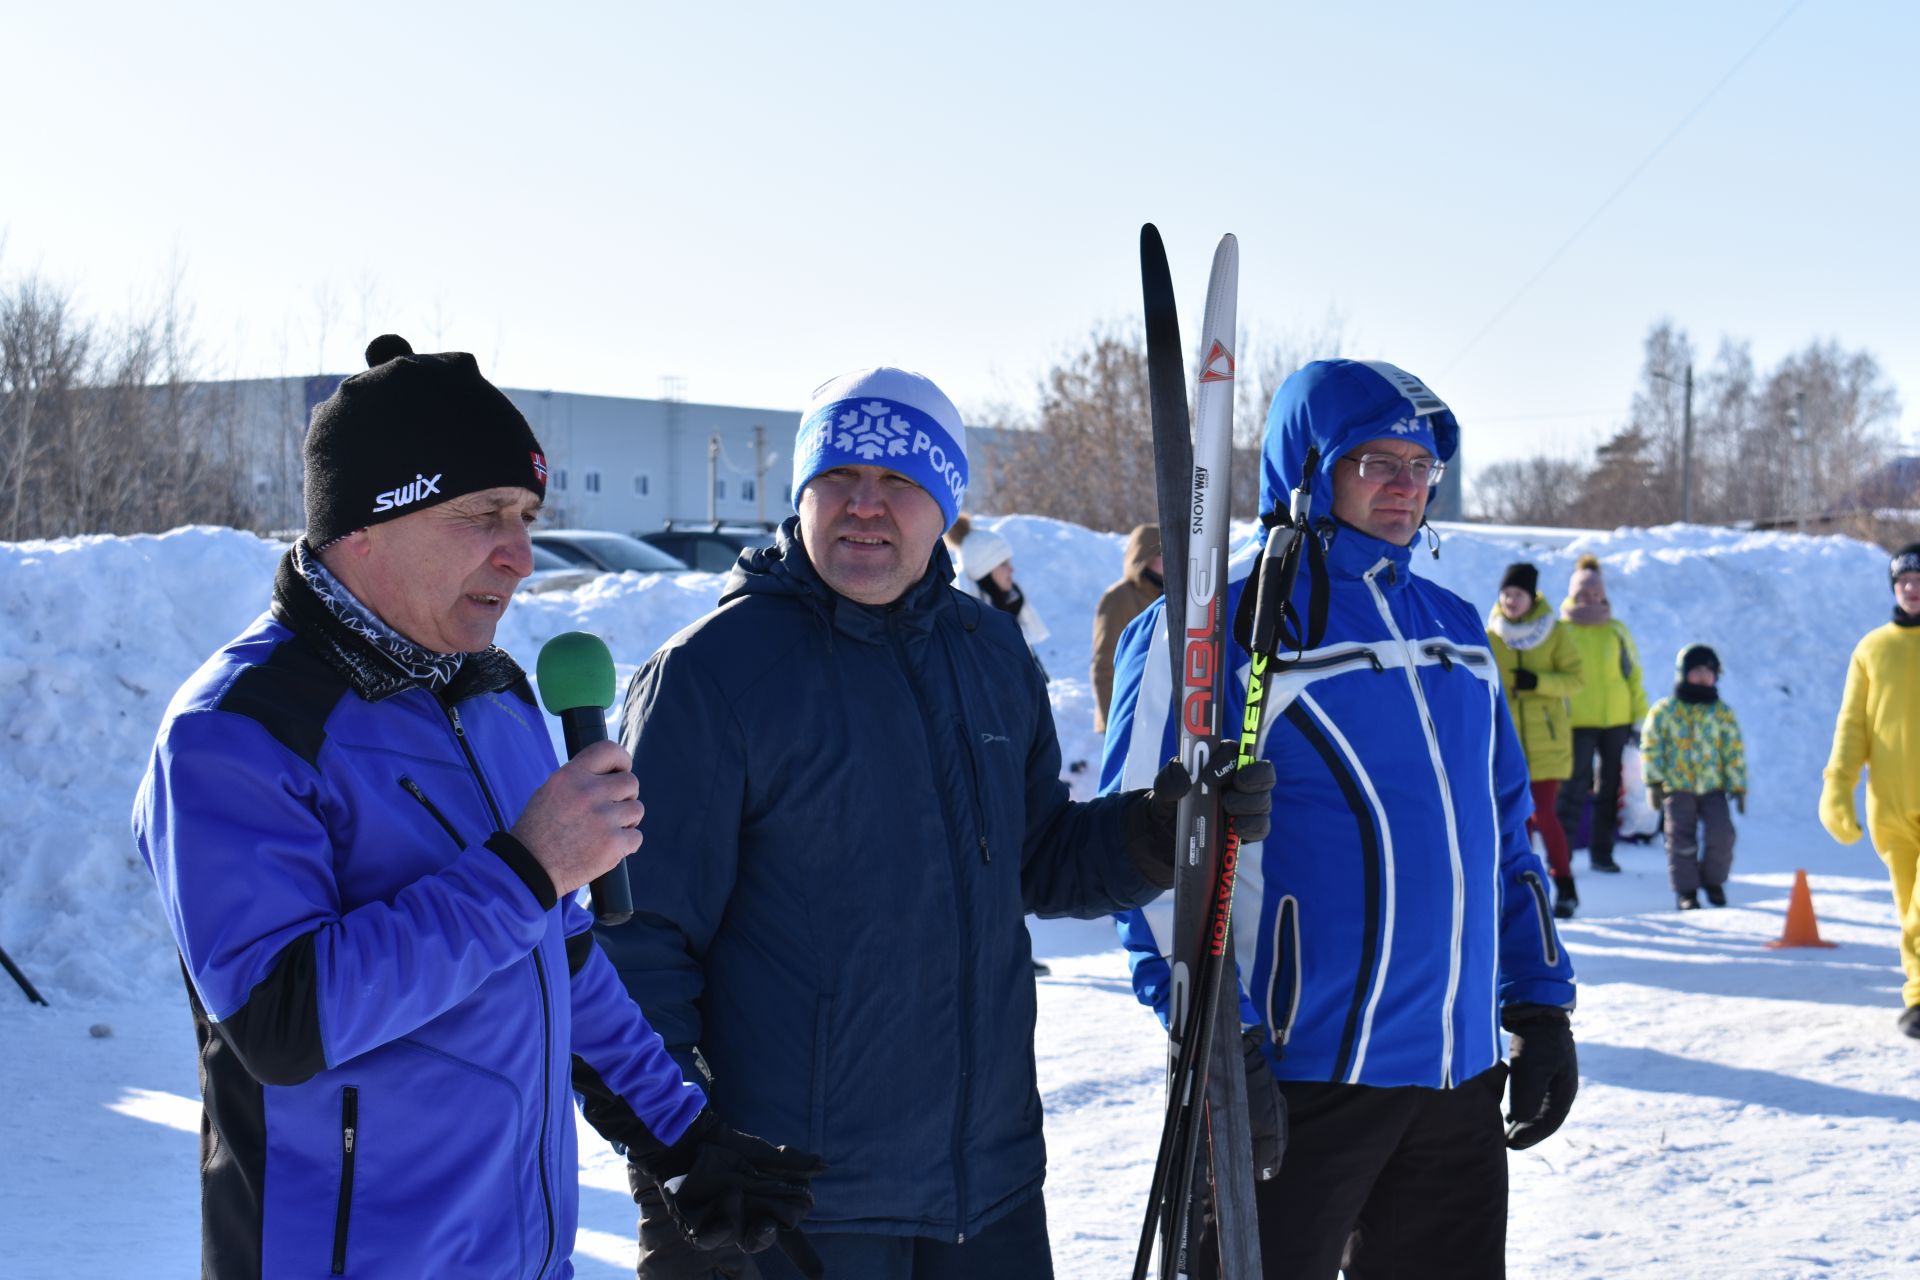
[1540, 672]
[1879, 727]
[1606, 712]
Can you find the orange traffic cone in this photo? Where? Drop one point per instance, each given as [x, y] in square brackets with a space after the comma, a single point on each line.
[1802, 930]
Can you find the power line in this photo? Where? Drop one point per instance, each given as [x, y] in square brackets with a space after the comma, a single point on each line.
[1625, 182]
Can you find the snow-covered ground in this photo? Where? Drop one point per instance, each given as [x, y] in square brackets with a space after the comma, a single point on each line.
[1743, 1112]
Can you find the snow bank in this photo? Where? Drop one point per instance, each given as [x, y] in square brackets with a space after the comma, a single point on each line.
[97, 632]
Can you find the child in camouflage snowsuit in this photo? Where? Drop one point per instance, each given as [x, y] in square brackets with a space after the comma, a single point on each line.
[1694, 761]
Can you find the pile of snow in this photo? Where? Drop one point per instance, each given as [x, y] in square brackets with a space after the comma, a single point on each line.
[1722, 1082]
[99, 632]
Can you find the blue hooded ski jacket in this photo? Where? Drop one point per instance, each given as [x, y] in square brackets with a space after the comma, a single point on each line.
[392, 1008]
[1397, 904]
[850, 809]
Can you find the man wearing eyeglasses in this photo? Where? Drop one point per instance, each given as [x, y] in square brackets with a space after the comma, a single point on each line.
[1397, 917]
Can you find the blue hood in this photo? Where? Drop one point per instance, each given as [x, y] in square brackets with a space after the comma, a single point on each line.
[1335, 405]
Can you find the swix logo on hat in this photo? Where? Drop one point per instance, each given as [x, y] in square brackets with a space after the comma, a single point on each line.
[408, 493]
[539, 467]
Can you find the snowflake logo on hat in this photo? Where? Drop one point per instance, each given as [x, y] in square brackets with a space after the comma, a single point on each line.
[1405, 427]
[872, 430]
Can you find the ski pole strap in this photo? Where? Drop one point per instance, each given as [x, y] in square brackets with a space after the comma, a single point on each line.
[1267, 623]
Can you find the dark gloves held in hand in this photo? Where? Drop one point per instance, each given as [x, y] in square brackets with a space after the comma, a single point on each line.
[1656, 795]
[1524, 680]
[665, 1254]
[1545, 1073]
[1266, 1110]
[1740, 801]
[725, 1189]
[1246, 796]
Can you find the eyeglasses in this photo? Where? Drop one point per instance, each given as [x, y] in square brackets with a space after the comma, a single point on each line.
[1385, 468]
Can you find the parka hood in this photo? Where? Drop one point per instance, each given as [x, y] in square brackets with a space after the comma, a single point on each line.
[1143, 544]
[1334, 405]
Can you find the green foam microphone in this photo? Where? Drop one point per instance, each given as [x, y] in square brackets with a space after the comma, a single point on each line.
[576, 684]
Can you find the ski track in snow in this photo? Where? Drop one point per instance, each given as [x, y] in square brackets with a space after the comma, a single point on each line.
[1743, 1112]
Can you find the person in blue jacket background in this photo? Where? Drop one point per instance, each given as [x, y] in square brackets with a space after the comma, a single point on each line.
[368, 858]
[859, 801]
[1397, 918]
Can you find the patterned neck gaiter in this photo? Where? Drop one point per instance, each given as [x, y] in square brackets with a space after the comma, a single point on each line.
[434, 670]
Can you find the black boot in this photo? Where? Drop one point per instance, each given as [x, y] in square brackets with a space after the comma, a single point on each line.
[1603, 862]
[1717, 894]
[1688, 901]
[1565, 900]
[1910, 1021]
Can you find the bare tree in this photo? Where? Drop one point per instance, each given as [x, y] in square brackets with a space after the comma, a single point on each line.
[105, 430]
[1087, 453]
[1532, 490]
[1802, 440]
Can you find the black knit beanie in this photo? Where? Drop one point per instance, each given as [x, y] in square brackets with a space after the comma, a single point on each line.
[410, 433]
[1522, 575]
[1905, 560]
[1696, 655]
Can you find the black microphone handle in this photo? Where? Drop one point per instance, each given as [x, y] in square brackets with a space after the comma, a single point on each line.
[612, 896]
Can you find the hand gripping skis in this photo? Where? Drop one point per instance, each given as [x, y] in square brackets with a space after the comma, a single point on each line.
[1204, 1014]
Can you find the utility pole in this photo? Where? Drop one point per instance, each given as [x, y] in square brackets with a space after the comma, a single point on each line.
[713, 478]
[1686, 453]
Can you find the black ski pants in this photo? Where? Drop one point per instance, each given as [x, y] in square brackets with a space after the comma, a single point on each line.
[1389, 1183]
[1689, 863]
[1609, 744]
[1011, 1248]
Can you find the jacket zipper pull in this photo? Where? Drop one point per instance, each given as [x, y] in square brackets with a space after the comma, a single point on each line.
[453, 714]
[985, 856]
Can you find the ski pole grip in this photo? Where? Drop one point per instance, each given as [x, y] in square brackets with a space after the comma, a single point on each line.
[1270, 587]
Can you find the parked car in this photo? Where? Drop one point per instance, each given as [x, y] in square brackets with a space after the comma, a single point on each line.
[606, 552]
[554, 572]
[708, 548]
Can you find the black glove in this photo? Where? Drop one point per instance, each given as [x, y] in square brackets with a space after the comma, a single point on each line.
[1545, 1072]
[1656, 796]
[1266, 1110]
[1524, 679]
[1246, 796]
[726, 1188]
[665, 1254]
[1633, 735]
[1740, 801]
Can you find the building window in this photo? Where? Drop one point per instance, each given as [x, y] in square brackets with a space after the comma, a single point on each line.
[640, 485]
[719, 490]
[746, 491]
[590, 481]
[560, 479]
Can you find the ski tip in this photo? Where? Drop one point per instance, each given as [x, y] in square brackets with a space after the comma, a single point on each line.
[1149, 236]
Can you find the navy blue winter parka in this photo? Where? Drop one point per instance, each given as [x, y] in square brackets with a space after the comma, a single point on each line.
[850, 809]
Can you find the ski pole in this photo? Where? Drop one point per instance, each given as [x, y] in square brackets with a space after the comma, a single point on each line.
[21, 978]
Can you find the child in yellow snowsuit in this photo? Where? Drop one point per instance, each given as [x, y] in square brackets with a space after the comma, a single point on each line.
[1879, 727]
[1694, 759]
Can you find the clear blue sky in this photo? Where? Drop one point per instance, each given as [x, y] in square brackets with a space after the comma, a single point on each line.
[753, 196]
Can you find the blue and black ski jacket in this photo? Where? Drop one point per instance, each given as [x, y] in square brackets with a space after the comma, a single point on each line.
[392, 1009]
[1397, 904]
[850, 809]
